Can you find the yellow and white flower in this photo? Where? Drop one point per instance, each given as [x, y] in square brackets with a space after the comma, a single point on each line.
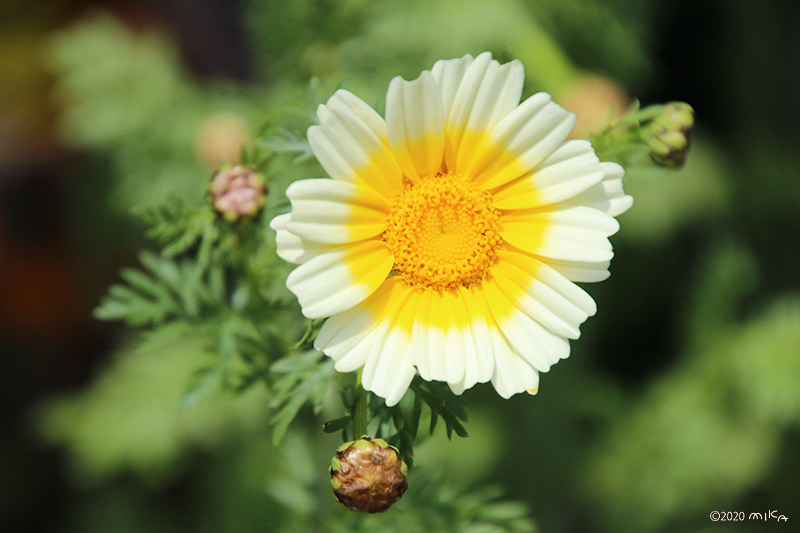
[449, 237]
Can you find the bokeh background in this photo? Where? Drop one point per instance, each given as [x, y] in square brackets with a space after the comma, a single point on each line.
[680, 398]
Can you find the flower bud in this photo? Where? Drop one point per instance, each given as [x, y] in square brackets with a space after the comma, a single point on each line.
[237, 192]
[668, 135]
[368, 475]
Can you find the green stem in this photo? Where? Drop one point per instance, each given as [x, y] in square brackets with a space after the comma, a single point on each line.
[360, 410]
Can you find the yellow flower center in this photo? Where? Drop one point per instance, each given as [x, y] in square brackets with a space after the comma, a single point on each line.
[443, 233]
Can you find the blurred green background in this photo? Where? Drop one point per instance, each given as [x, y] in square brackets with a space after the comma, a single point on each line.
[680, 398]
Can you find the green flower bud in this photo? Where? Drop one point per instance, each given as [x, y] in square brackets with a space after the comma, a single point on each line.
[237, 192]
[668, 135]
[368, 475]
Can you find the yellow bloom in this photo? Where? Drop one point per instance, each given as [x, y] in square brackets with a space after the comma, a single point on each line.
[449, 238]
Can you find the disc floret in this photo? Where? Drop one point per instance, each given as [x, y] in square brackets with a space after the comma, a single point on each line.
[443, 233]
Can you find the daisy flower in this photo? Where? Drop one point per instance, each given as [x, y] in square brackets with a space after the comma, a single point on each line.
[451, 234]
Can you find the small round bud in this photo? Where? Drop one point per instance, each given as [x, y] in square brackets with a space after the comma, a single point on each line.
[237, 192]
[368, 475]
[677, 116]
[669, 135]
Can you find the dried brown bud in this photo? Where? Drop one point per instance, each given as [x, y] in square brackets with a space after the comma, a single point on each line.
[237, 192]
[368, 475]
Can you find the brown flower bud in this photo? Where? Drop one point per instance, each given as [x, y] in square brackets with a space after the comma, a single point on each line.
[368, 475]
[237, 192]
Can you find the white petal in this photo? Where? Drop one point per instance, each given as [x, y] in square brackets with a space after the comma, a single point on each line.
[481, 370]
[415, 124]
[356, 356]
[488, 92]
[351, 144]
[344, 99]
[292, 248]
[540, 347]
[448, 74]
[505, 379]
[580, 271]
[511, 373]
[335, 212]
[572, 233]
[440, 328]
[389, 368]
[428, 342]
[606, 196]
[479, 356]
[542, 293]
[464, 97]
[347, 336]
[343, 332]
[571, 169]
[530, 378]
[543, 274]
[498, 95]
[523, 139]
[340, 278]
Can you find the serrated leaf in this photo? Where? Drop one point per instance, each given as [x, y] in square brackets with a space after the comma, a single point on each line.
[296, 363]
[299, 396]
[202, 383]
[305, 380]
[142, 282]
[164, 334]
[451, 402]
[460, 430]
[434, 419]
[285, 141]
[216, 284]
[179, 227]
[123, 303]
[415, 416]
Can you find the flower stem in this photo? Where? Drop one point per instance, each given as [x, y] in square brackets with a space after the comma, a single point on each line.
[360, 410]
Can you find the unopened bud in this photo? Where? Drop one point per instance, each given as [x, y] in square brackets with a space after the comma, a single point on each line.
[368, 475]
[237, 192]
[669, 135]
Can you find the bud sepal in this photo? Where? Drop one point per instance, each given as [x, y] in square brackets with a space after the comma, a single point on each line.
[663, 132]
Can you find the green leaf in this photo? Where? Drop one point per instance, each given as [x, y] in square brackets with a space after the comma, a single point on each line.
[310, 335]
[285, 141]
[336, 425]
[306, 378]
[203, 382]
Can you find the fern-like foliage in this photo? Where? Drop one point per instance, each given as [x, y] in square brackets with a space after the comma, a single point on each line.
[165, 289]
[301, 378]
[399, 424]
